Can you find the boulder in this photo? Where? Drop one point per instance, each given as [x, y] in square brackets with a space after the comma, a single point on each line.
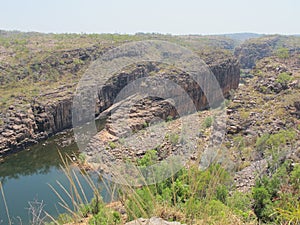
[152, 221]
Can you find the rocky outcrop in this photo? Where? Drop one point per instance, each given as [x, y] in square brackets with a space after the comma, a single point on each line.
[226, 71]
[253, 50]
[52, 112]
[264, 105]
[38, 121]
[152, 221]
[128, 119]
[245, 179]
[142, 113]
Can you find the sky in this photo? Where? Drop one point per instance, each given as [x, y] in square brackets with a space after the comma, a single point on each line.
[159, 16]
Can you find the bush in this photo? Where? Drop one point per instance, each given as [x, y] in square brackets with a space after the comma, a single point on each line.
[169, 118]
[64, 218]
[208, 122]
[112, 145]
[241, 204]
[101, 215]
[267, 141]
[148, 159]
[82, 158]
[262, 203]
[283, 78]
[275, 197]
[289, 216]
[187, 191]
[261, 142]
[173, 138]
[222, 193]
[283, 53]
[244, 115]
[105, 218]
[295, 177]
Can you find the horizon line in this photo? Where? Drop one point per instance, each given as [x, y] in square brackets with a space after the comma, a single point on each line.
[149, 32]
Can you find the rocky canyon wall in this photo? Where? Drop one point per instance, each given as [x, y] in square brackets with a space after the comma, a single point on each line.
[52, 113]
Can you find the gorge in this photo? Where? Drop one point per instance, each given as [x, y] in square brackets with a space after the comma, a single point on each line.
[49, 113]
[259, 141]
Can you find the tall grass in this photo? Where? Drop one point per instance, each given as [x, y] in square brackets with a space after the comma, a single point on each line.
[5, 204]
[74, 193]
[190, 196]
[74, 201]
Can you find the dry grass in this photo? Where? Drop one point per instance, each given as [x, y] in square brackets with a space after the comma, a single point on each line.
[5, 204]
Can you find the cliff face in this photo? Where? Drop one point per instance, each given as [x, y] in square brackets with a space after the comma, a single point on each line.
[52, 112]
[253, 50]
[226, 71]
[38, 122]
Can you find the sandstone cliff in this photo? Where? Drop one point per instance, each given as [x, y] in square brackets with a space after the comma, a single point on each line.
[252, 50]
[31, 119]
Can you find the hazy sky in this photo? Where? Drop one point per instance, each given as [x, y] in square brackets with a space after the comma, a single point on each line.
[163, 16]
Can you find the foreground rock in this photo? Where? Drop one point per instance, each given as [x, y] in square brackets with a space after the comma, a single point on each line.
[152, 221]
[246, 178]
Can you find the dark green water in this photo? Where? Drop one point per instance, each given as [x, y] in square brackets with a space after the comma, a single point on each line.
[26, 176]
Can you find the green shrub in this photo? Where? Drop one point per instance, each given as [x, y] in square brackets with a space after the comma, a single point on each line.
[262, 203]
[244, 114]
[226, 102]
[64, 218]
[105, 217]
[208, 122]
[281, 138]
[84, 210]
[187, 190]
[145, 124]
[295, 177]
[112, 145]
[169, 118]
[217, 209]
[78, 61]
[173, 138]
[284, 79]
[148, 159]
[261, 142]
[267, 141]
[290, 215]
[222, 193]
[239, 141]
[82, 158]
[283, 53]
[241, 204]
[275, 197]
[140, 204]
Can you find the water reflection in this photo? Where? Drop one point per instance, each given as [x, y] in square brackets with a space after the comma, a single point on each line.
[39, 159]
[26, 176]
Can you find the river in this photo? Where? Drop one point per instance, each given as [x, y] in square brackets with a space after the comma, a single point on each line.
[26, 176]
